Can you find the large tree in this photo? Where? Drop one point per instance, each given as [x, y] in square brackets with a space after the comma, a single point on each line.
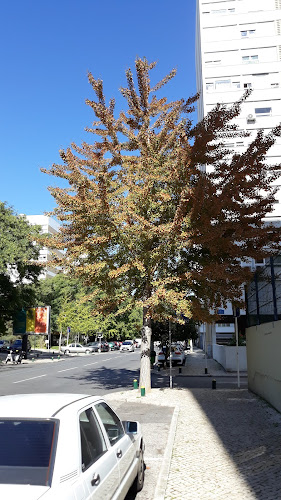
[18, 267]
[144, 223]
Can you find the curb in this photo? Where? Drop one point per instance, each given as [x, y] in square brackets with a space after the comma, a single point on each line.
[161, 485]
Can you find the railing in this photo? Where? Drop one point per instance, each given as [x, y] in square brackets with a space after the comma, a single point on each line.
[263, 295]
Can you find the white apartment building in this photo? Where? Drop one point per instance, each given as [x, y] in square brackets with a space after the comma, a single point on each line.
[238, 46]
[48, 226]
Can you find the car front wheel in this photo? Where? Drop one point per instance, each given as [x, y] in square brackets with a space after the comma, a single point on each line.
[67, 351]
[138, 482]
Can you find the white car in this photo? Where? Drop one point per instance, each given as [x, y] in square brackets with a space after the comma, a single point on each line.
[77, 348]
[178, 356]
[67, 447]
[127, 345]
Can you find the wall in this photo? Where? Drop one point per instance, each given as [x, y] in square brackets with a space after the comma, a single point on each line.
[264, 361]
[226, 356]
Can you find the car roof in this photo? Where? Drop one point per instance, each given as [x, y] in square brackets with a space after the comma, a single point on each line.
[41, 405]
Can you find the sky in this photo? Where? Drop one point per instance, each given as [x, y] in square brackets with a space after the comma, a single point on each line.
[47, 49]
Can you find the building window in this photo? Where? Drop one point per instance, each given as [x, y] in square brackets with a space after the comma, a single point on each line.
[263, 111]
[236, 85]
[209, 86]
[223, 84]
[250, 59]
[223, 11]
[247, 85]
[218, 11]
[247, 33]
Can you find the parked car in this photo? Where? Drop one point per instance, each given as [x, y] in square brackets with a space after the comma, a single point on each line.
[4, 345]
[77, 348]
[137, 343]
[112, 346]
[178, 356]
[17, 345]
[127, 345]
[67, 446]
[99, 346]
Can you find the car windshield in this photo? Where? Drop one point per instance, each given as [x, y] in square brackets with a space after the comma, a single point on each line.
[127, 342]
[27, 451]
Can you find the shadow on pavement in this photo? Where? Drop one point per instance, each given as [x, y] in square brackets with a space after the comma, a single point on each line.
[250, 433]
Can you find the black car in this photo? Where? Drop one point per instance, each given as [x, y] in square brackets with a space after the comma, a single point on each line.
[17, 345]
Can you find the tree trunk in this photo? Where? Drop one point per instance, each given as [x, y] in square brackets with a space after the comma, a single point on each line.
[145, 374]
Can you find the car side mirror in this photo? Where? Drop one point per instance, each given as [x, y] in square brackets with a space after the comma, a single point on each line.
[131, 427]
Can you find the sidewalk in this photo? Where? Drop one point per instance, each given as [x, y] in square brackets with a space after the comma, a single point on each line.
[222, 443]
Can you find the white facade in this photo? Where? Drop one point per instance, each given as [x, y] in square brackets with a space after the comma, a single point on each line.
[48, 226]
[238, 46]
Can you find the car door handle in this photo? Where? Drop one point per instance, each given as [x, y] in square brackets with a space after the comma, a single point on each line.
[95, 480]
[119, 453]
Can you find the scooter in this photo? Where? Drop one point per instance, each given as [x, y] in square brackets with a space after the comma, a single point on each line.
[15, 357]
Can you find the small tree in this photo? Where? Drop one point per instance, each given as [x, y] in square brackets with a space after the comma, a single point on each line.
[143, 223]
[18, 269]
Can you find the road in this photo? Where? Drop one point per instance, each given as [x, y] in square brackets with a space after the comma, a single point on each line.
[97, 373]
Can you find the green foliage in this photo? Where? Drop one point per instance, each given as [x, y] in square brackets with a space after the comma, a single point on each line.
[70, 306]
[180, 332]
[241, 340]
[18, 271]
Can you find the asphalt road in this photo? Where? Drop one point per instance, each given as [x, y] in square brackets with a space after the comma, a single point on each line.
[97, 373]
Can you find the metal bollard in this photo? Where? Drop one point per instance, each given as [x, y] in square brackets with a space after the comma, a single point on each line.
[206, 371]
[142, 391]
[135, 383]
[179, 369]
[214, 384]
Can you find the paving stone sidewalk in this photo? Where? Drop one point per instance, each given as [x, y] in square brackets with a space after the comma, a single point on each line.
[196, 363]
[223, 443]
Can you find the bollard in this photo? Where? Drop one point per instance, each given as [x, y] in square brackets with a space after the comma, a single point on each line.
[32, 359]
[179, 369]
[214, 384]
[52, 358]
[135, 383]
[206, 371]
[158, 368]
[142, 391]
[58, 357]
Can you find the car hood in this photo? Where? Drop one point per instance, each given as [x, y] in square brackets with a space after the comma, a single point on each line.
[22, 491]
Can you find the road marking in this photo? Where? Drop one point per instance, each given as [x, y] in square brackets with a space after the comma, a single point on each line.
[67, 369]
[32, 378]
[105, 359]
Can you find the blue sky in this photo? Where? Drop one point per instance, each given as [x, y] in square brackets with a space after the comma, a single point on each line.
[47, 49]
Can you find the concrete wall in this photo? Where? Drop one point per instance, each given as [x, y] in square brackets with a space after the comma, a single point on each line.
[226, 356]
[264, 361]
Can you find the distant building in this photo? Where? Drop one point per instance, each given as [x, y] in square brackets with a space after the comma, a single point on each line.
[48, 226]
